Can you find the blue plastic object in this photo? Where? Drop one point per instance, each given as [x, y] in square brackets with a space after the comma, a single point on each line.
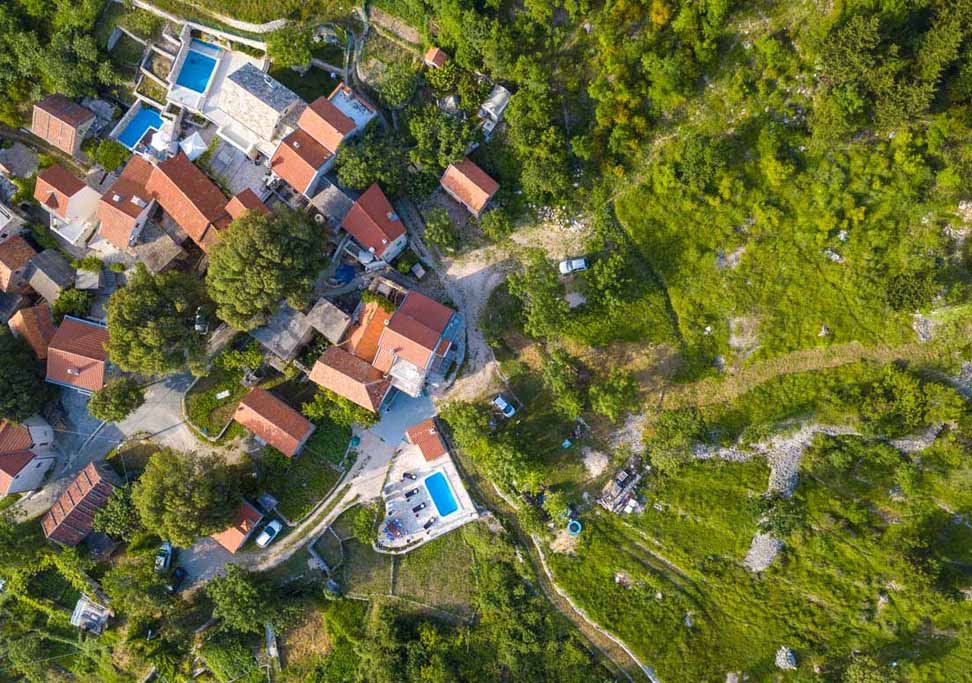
[574, 527]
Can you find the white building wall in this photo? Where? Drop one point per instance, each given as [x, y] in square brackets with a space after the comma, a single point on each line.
[32, 476]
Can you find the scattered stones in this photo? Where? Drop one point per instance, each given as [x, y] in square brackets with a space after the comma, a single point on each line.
[658, 595]
[623, 580]
[824, 331]
[833, 255]
[575, 299]
[785, 659]
[923, 326]
[689, 622]
[762, 551]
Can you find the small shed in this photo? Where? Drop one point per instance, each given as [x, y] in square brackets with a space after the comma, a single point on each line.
[88, 280]
[329, 320]
[285, 334]
[90, 616]
[49, 274]
[331, 203]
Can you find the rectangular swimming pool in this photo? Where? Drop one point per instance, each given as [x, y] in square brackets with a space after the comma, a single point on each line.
[146, 118]
[198, 66]
[438, 488]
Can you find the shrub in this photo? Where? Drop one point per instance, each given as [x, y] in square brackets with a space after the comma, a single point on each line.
[290, 45]
[496, 224]
[73, 302]
[110, 154]
[328, 405]
[616, 396]
[440, 231]
[116, 400]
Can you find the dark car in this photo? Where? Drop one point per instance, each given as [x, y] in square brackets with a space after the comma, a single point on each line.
[418, 508]
[428, 524]
[178, 577]
[409, 475]
[409, 494]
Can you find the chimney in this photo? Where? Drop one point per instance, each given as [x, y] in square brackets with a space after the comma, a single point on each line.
[74, 372]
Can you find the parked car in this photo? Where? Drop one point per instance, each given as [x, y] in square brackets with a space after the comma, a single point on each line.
[409, 494]
[178, 577]
[572, 265]
[409, 475]
[269, 533]
[163, 557]
[504, 406]
[428, 524]
[418, 508]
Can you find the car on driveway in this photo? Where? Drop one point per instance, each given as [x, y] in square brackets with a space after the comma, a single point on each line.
[269, 533]
[504, 406]
[428, 525]
[572, 265]
[418, 508]
[409, 494]
[409, 475]
[163, 557]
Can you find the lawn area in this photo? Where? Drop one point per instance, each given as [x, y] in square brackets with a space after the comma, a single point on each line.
[315, 83]
[151, 89]
[129, 459]
[440, 573]
[309, 477]
[328, 546]
[364, 572]
[208, 413]
[127, 52]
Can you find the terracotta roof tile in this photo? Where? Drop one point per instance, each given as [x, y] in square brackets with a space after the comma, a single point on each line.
[297, 159]
[426, 436]
[373, 222]
[326, 123]
[436, 57]
[54, 187]
[65, 109]
[14, 437]
[188, 196]
[35, 326]
[246, 200]
[273, 421]
[70, 518]
[56, 119]
[363, 341]
[246, 519]
[350, 377]
[76, 355]
[15, 253]
[124, 202]
[10, 466]
[469, 184]
[414, 332]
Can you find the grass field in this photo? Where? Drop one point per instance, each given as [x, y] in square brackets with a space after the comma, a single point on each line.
[440, 573]
[315, 83]
[365, 572]
[311, 475]
[129, 460]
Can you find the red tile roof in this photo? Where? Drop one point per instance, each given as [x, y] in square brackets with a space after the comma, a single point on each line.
[246, 520]
[246, 200]
[436, 57]
[426, 436]
[15, 253]
[469, 184]
[363, 340]
[326, 123]
[350, 377]
[35, 326]
[55, 187]
[186, 194]
[373, 222]
[14, 437]
[414, 332]
[10, 466]
[69, 521]
[297, 159]
[76, 355]
[56, 119]
[273, 421]
[124, 202]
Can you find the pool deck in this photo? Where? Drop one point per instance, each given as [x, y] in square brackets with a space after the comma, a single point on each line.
[409, 458]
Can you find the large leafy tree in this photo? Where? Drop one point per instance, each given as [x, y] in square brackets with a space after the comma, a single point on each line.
[21, 379]
[377, 158]
[184, 496]
[440, 139]
[150, 322]
[326, 405]
[241, 599]
[116, 400]
[118, 518]
[539, 288]
[261, 260]
[134, 583]
[290, 45]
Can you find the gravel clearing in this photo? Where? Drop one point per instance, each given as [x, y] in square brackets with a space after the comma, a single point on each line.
[762, 552]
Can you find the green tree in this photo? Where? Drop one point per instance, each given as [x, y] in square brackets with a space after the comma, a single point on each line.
[241, 600]
[135, 587]
[290, 45]
[617, 395]
[22, 391]
[496, 224]
[182, 497]
[376, 158]
[556, 505]
[250, 357]
[73, 302]
[110, 154]
[118, 518]
[440, 231]
[363, 522]
[671, 438]
[559, 373]
[863, 669]
[539, 289]
[151, 322]
[445, 79]
[440, 139]
[397, 83]
[260, 260]
[326, 405]
[116, 400]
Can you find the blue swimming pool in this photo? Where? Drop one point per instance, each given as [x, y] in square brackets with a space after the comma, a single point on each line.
[198, 67]
[147, 117]
[438, 487]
